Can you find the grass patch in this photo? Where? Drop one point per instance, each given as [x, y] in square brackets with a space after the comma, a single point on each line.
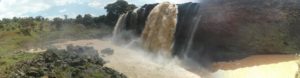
[9, 60]
[11, 42]
[75, 62]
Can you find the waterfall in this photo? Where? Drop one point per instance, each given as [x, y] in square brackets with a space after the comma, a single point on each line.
[119, 27]
[142, 15]
[131, 24]
[213, 30]
[187, 26]
[192, 36]
[160, 27]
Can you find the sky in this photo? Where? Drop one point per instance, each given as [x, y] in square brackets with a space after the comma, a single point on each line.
[58, 8]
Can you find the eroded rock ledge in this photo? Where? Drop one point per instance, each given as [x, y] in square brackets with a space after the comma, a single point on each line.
[74, 62]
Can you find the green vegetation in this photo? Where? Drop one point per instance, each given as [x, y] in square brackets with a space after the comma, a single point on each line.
[75, 62]
[9, 45]
[114, 10]
[21, 33]
[7, 61]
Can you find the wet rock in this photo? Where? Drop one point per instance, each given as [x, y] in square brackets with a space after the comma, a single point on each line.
[77, 62]
[107, 51]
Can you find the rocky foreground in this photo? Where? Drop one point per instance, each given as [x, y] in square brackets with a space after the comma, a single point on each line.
[74, 62]
[135, 63]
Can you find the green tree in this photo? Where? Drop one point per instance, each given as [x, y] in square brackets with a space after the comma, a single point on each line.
[100, 19]
[114, 10]
[88, 20]
[1, 25]
[27, 25]
[58, 23]
[15, 19]
[39, 18]
[79, 19]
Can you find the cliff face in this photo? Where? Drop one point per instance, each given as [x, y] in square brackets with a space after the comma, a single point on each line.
[230, 29]
[217, 30]
[234, 29]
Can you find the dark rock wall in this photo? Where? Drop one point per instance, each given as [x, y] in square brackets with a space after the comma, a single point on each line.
[234, 29]
[230, 29]
[135, 21]
[186, 21]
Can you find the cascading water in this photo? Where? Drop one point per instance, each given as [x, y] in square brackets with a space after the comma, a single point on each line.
[119, 27]
[192, 36]
[131, 25]
[189, 19]
[160, 27]
[215, 30]
[123, 32]
[164, 26]
[143, 14]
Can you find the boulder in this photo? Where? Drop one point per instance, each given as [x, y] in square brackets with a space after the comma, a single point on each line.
[107, 51]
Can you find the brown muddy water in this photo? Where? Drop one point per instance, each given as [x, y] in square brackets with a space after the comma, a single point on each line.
[140, 64]
[258, 66]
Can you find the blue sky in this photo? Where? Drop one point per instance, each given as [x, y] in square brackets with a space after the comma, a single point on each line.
[58, 8]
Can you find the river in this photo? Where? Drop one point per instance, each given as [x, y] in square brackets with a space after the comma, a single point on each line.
[136, 63]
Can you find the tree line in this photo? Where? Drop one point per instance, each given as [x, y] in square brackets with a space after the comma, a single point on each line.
[39, 23]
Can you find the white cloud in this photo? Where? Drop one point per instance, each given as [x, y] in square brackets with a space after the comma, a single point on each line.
[18, 8]
[95, 4]
[11, 8]
[65, 2]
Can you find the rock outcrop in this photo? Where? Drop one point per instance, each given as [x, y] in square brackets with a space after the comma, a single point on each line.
[74, 62]
[222, 30]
